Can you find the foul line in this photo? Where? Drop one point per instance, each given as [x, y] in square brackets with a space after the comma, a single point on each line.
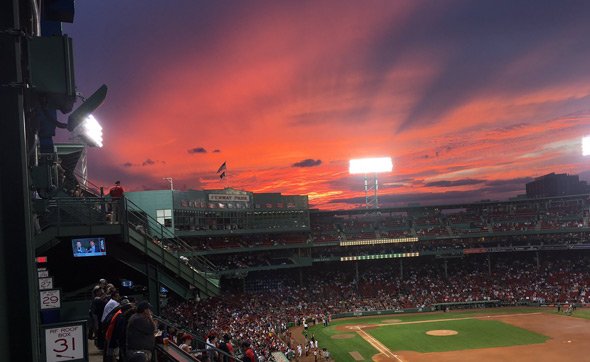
[387, 352]
[378, 345]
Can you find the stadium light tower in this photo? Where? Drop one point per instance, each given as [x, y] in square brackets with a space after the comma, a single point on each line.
[372, 166]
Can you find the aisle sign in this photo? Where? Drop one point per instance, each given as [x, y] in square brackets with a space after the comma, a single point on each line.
[42, 273]
[50, 299]
[45, 283]
[66, 342]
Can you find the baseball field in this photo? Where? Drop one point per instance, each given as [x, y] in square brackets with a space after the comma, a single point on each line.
[500, 334]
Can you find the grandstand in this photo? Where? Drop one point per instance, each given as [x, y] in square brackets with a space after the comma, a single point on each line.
[253, 265]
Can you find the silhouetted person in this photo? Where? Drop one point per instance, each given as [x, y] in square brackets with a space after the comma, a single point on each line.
[116, 192]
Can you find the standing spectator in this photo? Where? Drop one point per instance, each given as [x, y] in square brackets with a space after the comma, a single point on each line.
[210, 348]
[116, 192]
[141, 330]
[96, 310]
[226, 347]
[111, 345]
[111, 305]
[249, 355]
[120, 331]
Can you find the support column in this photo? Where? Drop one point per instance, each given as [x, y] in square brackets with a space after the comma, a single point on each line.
[19, 295]
[153, 287]
[489, 264]
[356, 264]
[376, 192]
[401, 269]
[445, 266]
[537, 259]
[366, 192]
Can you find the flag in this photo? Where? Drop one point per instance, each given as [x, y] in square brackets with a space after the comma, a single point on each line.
[221, 168]
[222, 175]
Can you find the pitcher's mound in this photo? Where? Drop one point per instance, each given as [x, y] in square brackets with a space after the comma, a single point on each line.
[343, 336]
[442, 332]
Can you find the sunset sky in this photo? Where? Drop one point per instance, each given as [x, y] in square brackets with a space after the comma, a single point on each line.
[471, 99]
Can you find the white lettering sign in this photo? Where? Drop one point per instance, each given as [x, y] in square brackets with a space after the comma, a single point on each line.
[50, 299]
[65, 343]
[45, 283]
[221, 197]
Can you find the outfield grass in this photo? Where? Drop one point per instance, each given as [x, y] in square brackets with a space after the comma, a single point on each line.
[473, 334]
[483, 333]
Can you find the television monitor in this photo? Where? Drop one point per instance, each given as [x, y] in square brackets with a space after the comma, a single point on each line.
[125, 283]
[89, 247]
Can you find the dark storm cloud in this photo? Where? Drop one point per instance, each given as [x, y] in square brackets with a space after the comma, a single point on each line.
[510, 185]
[148, 162]
[494, 190]
[127, 164]
[476, 42]
[515, 181]
[464, 182]
[307, 163]
[197, 150]
[429, 198]
[216, 151]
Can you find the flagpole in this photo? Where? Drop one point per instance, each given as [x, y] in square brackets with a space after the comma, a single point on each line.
[223, 174]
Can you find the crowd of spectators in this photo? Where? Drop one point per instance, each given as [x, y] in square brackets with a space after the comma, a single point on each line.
[269, 304]
[122, 329]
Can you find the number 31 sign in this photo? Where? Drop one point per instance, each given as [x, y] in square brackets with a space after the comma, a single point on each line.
[66, 342]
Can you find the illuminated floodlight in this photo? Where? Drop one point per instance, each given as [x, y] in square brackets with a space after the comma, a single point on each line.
[370, 165]
[82, 123]
[586, 146]
[90, 131]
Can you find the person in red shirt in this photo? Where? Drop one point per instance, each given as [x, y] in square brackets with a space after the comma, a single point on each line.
[249, 355]
[116, 192]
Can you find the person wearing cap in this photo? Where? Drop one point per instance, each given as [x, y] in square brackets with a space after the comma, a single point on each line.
[141, 330]
[116, 192]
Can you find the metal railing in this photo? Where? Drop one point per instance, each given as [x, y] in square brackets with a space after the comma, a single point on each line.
[92, 209]
[138, 220]
[70, 211]
[200, 343]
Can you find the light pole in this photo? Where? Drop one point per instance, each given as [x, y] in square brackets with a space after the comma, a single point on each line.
[373, 166]
[169, 179]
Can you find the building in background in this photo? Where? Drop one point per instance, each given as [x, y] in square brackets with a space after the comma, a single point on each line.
[210, 212]
[556, 185]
